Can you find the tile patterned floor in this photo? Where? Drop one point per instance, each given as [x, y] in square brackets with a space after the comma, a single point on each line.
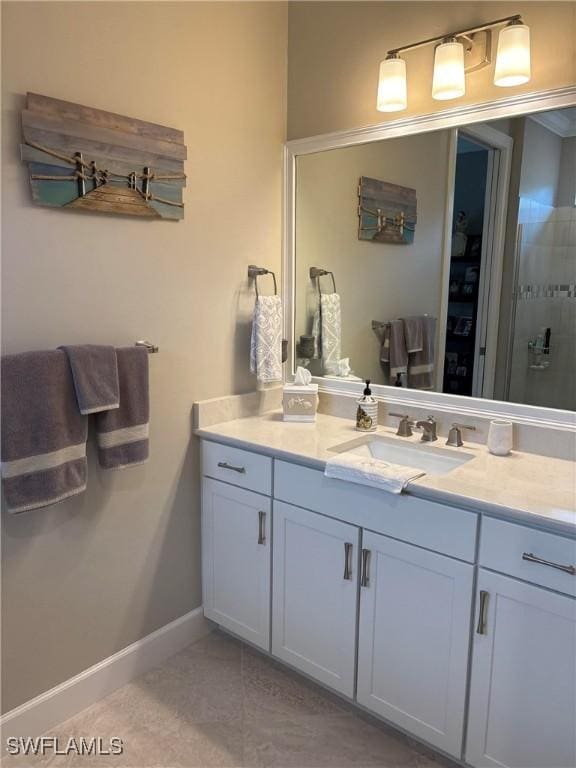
[219, 703]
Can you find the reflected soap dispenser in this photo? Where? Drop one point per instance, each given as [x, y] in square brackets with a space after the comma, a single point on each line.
[367, 411]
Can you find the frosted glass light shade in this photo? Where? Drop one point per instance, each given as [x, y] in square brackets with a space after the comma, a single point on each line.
[513, 56]
[449, 79]
[392, 86]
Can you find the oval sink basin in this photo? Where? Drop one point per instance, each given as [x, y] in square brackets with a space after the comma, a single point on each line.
[428, 458]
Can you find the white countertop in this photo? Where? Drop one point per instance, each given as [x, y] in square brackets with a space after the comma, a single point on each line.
[533, 489]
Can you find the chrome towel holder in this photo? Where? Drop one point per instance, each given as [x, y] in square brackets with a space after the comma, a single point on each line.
[255, 272]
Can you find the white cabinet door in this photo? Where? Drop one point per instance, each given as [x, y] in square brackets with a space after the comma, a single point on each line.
[414, 638]
[315, 578]
[236, 560]
[523, 686]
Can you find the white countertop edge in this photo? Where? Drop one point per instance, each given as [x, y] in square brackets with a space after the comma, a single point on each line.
[469, 503]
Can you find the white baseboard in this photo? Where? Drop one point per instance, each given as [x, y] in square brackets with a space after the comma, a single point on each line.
[38, 715]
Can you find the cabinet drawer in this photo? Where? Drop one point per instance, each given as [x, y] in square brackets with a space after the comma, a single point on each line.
[517, 550]
[238, 467]
[441, 528]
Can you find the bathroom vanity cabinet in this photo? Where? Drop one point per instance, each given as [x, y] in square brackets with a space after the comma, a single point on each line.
[427, 615]
[236, 560]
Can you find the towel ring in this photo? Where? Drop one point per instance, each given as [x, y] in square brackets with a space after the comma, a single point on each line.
[316, 273]
[255, 272]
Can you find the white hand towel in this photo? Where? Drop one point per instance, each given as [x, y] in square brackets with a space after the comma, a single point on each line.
[373, 472]
[331, 332]
[266, 341]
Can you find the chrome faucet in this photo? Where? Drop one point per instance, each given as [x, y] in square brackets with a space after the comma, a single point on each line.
[405, 425]
[428, 428]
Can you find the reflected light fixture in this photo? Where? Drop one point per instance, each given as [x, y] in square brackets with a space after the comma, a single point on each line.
[455, 55]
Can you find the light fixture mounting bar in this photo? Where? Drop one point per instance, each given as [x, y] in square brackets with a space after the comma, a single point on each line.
[461, 33]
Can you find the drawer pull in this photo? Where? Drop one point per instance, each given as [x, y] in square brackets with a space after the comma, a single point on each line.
[571, 569]
[481, 628]
[225, 465]
[347, 563]
[365, 578]
[261, 527]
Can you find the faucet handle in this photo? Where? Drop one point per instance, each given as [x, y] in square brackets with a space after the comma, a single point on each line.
[405, 425]
[455, 434]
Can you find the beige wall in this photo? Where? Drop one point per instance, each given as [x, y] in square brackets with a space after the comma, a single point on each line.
[335, 49]
[376, 281]
[541, 162]
[89, 576]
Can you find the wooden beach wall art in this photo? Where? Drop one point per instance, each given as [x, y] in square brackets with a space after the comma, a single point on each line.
[90, 160]
[386, 212]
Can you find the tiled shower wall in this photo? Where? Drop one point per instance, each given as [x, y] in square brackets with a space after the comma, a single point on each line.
[546, 298]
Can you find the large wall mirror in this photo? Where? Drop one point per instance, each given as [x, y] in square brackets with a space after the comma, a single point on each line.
[442, 261]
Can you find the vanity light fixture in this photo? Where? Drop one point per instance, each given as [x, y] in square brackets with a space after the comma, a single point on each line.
[449, 80]
[450, 66]
[513, 57]
[392, 84]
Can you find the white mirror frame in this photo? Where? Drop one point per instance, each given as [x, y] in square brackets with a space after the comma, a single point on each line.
[457, 117]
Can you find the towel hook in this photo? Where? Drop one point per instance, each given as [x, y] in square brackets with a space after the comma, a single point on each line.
[255, 272]
[316, 273]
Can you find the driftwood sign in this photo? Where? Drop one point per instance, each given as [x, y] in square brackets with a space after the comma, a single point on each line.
[386, 212]
[88, 159]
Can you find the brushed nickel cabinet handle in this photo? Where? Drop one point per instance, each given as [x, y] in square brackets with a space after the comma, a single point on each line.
[261, 527]
[347, 563]
[225, 465]
[365, 578]
[481, 628]
[559, 567]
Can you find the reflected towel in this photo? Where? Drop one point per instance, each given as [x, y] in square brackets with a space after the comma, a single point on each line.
[43, 432]
[413, 333]
[393, 350]
[95, 376]
[122, 434]
[421, 362]
[373, 472]
[266, 340]
[330, 332]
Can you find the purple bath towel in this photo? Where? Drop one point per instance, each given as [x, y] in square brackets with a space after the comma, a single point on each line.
[43, 432]
[393, 350]
[421, 361]
[123, 433]
[95, 375]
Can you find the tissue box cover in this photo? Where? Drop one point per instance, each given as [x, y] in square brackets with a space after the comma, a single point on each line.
[300, 402]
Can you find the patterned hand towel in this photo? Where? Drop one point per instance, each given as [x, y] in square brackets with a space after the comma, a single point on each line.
[95, 375]
[373, 472]
[330, 332]
[122, 433]
[421, 362]
[266, 341]
[43, 432]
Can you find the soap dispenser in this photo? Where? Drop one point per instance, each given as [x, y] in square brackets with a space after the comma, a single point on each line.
[367, 411]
